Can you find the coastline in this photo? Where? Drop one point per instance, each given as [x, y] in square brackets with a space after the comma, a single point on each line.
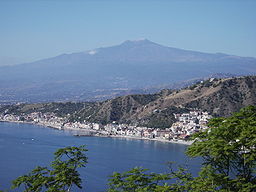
[81, 133]
[141, 138]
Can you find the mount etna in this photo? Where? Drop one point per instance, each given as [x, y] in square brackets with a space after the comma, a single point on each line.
[102, 73]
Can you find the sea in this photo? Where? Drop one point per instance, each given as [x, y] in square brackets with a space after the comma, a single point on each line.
[25, 146]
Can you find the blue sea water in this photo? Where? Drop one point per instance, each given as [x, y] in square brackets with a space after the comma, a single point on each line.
[24, 146]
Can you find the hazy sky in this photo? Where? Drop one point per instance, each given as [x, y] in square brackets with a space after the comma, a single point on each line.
[31, 30]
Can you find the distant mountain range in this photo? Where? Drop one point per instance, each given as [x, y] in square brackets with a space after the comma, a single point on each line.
[131, 67]
[220, 97]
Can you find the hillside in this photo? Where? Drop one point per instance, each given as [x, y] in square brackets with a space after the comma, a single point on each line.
[108, 72]
[220, 97]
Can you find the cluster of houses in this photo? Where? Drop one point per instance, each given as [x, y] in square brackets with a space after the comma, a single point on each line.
[189, 123]
[185, 125]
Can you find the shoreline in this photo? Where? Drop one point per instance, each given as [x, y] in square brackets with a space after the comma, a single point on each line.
[140, 138]
[82, 131]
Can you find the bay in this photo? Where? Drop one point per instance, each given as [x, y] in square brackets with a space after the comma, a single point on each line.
[24, 146]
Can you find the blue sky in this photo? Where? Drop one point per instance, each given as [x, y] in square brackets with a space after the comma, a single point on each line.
[32, 30]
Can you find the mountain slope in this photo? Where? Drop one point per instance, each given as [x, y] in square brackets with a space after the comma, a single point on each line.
[218, 97]
[100, 73]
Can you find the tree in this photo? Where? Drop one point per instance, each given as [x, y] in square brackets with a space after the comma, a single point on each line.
[138, 180]
[228, 149]
[61, 177]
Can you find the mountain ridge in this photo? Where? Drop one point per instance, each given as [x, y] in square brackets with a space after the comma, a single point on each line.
[130, 65]
[130, 43]
[219, 97]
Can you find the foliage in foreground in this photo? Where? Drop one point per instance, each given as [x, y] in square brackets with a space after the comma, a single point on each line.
[61, 177]
[228, 149]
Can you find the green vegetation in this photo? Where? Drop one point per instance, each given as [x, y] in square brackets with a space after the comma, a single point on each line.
[138, 180]
[116, 109]
[61, 177]
[145, 99]
[228, 150]
[219, 97]
[163, 118]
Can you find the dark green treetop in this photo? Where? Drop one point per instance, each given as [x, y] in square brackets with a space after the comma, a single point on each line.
[61, 177]
[229, 147]
[228, 150]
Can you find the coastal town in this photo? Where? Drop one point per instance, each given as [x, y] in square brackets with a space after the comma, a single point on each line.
[179, 132]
